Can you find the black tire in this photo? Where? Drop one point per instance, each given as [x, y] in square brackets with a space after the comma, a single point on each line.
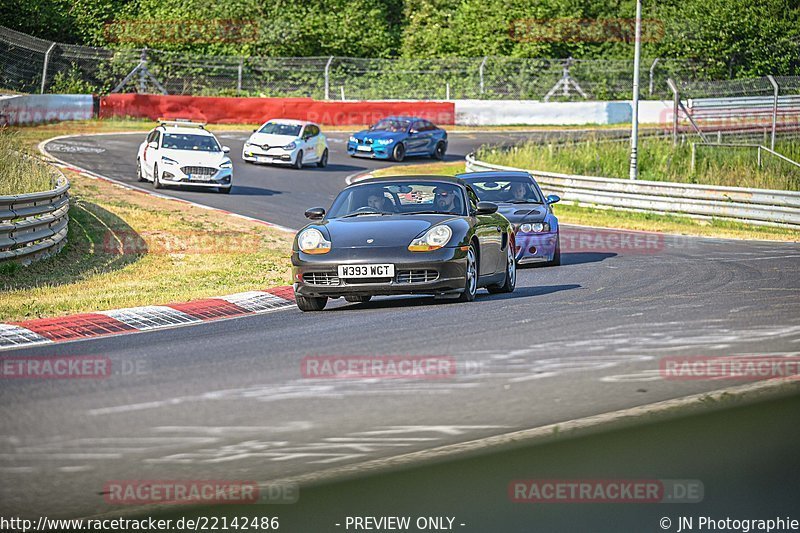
[311, 303]
[139, 175]
[358, 299]
[399, 152]
[224, 190]
[510, 283]
[298, 161]
[556, 255]
[156, 181]
[439, 151]
[470, 277]
[323, 161]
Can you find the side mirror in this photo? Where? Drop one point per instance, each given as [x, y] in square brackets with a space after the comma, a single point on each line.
[153, 144]
[255, 130]
[551, 199]
[486, 208]
[226, 150]
[315, 213]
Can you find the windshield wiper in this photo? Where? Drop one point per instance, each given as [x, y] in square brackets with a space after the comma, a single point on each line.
[520, 202]
[367, 213]
[428, 213]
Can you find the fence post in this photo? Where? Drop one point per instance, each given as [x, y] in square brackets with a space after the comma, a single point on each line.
[480, 72]
[447, 91]
[44, 68]
[652, 73]
[143, 72]
[694, 156]
[239, 75]
[328, 79]
[774, 109]
[675, 102]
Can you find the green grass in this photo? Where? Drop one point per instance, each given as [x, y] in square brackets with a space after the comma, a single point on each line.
[20, 173]
[614, 218]
[658, 161]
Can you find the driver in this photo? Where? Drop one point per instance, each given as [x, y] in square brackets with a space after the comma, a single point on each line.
[445, 200]
[519, 191]
[376, 201]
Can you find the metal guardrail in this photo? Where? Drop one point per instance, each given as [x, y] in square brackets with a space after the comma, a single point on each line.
[34, 226]
[754, 206]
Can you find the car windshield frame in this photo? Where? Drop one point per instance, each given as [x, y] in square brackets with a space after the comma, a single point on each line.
[185, 139]
[339, 208]
[507, 180]
[398, 125]
[278, 126]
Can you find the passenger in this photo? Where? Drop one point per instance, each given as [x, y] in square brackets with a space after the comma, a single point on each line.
[445, 200]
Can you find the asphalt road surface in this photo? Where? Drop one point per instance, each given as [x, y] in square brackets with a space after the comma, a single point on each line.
[229, 399]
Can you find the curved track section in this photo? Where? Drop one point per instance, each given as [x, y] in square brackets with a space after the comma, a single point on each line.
[230, 398]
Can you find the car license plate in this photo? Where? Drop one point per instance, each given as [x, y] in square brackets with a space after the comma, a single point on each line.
[366, 271]
[199, 177]
[362, 148]
[262, 159]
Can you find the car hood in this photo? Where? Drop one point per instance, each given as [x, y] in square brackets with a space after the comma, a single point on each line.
[195, 159]
[270, 139]
[518, 213]
[384, 230]
[375, 135]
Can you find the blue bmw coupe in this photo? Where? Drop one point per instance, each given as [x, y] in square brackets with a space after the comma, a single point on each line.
[397, 137]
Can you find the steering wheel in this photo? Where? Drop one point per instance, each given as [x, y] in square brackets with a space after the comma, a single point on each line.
[366, 209]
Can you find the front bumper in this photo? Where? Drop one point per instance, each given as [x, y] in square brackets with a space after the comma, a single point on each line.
[535, 247]
[274, 155]
[174, 175]
[376, 151]
[438, 272]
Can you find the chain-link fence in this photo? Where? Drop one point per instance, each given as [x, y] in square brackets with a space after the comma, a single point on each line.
[29, 64]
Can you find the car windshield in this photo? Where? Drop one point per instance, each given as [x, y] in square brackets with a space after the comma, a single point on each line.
[513, 190]
[276, 128]
[188, 141]
[403, 198]
[394, 126]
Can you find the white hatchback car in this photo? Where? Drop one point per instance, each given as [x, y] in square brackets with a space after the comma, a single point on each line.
[183, 153]
[287, 142]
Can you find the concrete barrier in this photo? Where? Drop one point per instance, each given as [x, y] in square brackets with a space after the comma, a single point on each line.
[40, 108]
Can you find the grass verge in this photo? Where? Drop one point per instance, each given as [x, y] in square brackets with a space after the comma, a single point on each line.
[128, 249]
[658, 161]
[610, 218]
[20, 174]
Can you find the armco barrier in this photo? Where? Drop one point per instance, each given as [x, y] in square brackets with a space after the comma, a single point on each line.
[39, 108]
[218, 110]
[34, 226]
[755, 206]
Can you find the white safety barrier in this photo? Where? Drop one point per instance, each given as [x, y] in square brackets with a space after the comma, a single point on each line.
[39, 108]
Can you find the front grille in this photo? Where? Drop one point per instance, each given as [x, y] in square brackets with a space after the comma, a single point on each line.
[368, 141]
[417, 276]
[366, 281]
[202, 171]
[321, 278]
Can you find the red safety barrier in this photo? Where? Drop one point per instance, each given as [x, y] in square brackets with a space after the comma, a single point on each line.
[218, 110]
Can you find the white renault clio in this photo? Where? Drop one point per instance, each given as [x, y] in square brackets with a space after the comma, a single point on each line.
[287, 142]
[183, 153]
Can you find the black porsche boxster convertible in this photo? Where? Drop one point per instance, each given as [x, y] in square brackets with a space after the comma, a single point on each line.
[403, 235]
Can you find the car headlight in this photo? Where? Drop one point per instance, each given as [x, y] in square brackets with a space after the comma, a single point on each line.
[168, 161]
[435, 238]
[385, 141]
[536, 227]
[353, 139]
[226, 164]
[312, 241]
[291, 146]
